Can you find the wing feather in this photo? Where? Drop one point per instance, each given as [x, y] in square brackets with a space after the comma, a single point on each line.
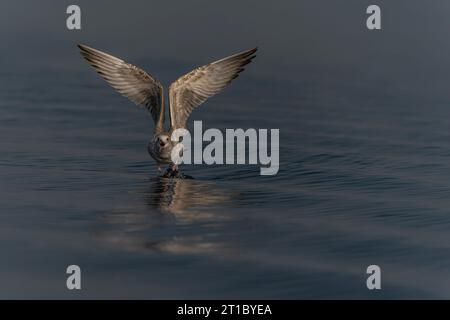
[195, 87]
[130, 81]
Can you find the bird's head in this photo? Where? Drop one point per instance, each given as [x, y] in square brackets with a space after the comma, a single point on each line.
[163, 140]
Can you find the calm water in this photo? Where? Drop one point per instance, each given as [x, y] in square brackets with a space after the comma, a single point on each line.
[359, 184]
[364, 156]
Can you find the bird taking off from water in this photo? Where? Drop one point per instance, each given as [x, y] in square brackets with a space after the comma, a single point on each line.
[185, 94]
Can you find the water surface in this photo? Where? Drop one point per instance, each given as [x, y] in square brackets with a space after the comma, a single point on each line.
[363, 179]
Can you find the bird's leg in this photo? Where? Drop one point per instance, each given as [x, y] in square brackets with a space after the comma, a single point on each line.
[174, 167]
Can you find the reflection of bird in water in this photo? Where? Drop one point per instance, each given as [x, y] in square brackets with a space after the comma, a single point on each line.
[185, 94]
[169, 204]
[185, 198]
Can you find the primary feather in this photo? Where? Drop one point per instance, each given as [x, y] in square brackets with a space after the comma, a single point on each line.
[195, 87]
[129, 80]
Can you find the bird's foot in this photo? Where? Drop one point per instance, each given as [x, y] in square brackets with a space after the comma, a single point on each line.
[173, 172]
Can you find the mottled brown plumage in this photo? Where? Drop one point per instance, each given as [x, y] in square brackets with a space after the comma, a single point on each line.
[185, 94]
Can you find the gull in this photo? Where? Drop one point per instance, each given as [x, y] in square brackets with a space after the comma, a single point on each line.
[185, 94]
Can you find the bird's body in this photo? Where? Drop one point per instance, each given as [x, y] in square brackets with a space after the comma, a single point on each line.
[185, 94]
[160, 148]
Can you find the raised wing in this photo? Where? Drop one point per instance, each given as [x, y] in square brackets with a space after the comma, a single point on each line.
[195, 87]
[130, 81]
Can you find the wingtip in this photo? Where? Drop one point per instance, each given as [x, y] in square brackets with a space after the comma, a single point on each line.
[85, 48]
[251, 53]
[253, 50]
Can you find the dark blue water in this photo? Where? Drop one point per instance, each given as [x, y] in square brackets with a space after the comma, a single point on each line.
[358, 185]
[364, 157]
